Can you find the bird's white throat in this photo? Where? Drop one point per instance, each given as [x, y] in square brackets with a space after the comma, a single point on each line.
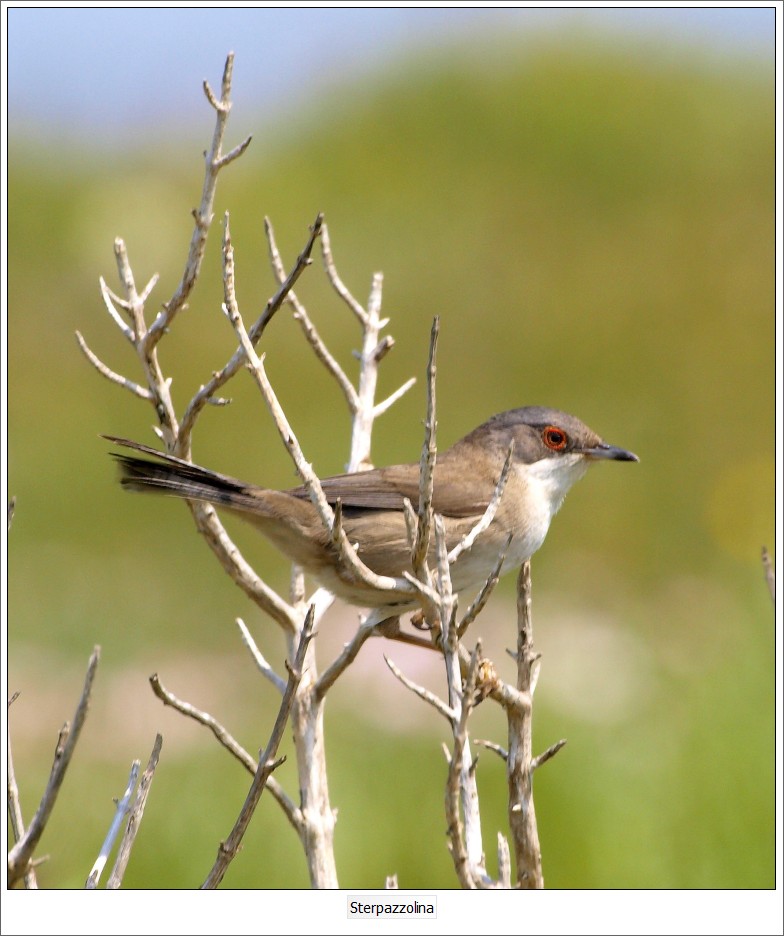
[549, 479]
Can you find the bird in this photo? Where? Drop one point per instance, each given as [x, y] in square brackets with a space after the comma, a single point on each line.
[550, 451]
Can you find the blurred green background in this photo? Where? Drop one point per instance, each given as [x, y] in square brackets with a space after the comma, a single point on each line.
[593, 220]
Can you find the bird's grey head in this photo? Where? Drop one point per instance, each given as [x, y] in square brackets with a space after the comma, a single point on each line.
[540, 433]
[552, 450]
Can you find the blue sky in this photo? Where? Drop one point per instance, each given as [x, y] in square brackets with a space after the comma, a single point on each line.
[118, 71]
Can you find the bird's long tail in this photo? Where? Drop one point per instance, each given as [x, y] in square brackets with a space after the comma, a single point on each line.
[170, 475]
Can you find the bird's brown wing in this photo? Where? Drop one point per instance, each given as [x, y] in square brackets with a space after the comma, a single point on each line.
[386, 489]
[379, 489]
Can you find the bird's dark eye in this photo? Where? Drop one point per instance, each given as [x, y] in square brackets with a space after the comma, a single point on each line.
[555, 438]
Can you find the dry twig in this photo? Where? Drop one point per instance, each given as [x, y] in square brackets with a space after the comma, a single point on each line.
[258, 657]
[135, 817]
[207, 392]
[121, 809]
[267, 764]
[20, 855]
[14, 804]
[421, 545]
[430, 697]
[203, 718]
[519, 762]
[214, 160]
[464, 861]
[228, 741]
[348, 554]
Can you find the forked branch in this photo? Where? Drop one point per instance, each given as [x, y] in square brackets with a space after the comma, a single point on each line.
[214, 161]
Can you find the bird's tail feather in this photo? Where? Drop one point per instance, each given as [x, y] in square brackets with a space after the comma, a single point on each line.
[170, 475]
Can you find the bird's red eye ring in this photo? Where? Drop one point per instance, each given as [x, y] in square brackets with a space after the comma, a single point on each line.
[555, 438]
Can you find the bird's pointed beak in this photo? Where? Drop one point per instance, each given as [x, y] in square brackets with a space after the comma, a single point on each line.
[603, 450]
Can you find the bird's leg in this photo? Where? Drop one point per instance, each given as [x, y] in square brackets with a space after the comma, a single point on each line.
[390, 628]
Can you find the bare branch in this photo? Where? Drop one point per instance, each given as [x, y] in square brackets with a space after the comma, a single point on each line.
[346, 657]
[131, 302]
[430, 697]
[360, 401]
[380, 408]
[504, 863]
[427, 468]
[238, 569]
[487, 517]
[323, 354]
[233, 154]
[308, 328]
[410, 517]
[492, 746]
[348, 555]
[362, 427]
[264, 668]
[384, 346]
[232, 746]
[447, 600]
[430, 594]
[462, 762]
[203, 718]
[109, 374]
[159, 387]
[548, 754]
[510, 698]
[219, 378]
[19, 856]
[205, 516]
[485, 591]
[210, 95]
[145, 294]
[267, 764]
[337, 283]
[110, 300]
[135, 818]
[120, 812]
[214, 161]
[286, 285]
[14, 804]
[522, 815]
[454, 785]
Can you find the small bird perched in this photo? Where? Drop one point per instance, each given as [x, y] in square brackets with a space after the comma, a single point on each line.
[551, 450]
